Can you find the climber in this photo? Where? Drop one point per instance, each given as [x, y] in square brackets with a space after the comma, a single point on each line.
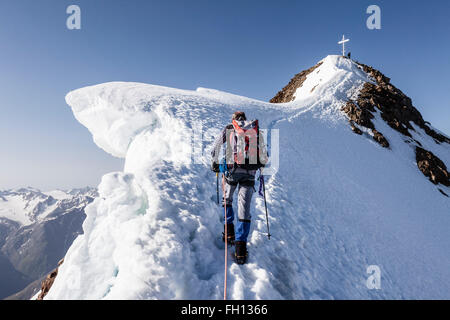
[244, 154]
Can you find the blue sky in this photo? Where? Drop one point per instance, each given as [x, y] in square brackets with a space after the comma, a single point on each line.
[249, 47]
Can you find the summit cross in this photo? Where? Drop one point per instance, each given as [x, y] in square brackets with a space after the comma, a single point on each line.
[343, 41]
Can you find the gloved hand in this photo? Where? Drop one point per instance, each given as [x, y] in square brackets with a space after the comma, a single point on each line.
[215, 167]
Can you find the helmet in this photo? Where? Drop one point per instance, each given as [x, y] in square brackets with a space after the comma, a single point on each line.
[239, 115]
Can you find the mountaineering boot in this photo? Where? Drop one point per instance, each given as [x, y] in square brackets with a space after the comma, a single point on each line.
[230, 234]
[241, 253]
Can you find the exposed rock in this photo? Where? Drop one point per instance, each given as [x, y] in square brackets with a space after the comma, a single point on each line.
[354, 128]
[396, 108]
[287, 93]
[378, 137]
[363, 117]
[432, 167]
[48, 282]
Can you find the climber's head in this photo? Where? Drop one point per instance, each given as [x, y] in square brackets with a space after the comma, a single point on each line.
[238, 116]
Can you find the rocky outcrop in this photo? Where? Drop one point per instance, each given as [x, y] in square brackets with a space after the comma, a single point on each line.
[288, 92]
[397, 111]
[432, 167]
[48, 282]
[363, 117]
[396, 108]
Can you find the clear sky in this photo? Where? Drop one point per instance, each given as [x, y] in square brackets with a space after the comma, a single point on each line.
[247, 47]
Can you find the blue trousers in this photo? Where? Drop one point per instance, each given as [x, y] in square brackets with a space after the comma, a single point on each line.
[242, 226]
[244, 182]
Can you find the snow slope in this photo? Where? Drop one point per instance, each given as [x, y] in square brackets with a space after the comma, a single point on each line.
[338, 202]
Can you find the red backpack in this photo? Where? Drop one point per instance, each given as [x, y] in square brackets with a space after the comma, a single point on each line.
[246, 144]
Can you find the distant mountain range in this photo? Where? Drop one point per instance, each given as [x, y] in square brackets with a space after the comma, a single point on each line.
[36, 229]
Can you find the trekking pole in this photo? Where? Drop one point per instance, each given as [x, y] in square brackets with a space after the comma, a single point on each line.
[224, 169]
[226, 239]
[261, 181]
[217, 186]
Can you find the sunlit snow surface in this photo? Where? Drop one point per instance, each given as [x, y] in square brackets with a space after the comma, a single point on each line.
[338, 203]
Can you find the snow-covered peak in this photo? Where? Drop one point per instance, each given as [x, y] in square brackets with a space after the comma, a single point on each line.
[333, 71]
[29, 205]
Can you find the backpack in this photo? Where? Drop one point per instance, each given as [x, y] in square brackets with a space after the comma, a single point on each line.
[245, 145]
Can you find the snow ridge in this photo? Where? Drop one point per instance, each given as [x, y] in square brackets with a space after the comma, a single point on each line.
[338, 203]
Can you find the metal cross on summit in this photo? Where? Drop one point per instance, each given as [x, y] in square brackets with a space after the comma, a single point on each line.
[343, 41]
